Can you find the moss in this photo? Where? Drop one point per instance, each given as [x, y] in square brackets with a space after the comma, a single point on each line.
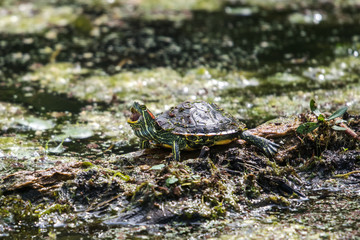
[15, 210]
[87, 165]
[279, 200]
[55, 208]
[122, 176]
[252, 190]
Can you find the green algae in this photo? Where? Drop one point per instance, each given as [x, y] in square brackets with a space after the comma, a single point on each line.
[159, 84]
[17, 153]
[36, 124]
[153, 85]
[78, 132]
[159, 10]
[57, 77]
[276, 231]
[8, 114]
[32, 18]
[340, 70]
[109, 125]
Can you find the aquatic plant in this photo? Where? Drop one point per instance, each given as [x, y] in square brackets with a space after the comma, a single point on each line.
[309, 127]
[326, 123]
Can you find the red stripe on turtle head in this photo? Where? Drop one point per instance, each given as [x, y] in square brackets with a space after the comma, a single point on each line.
[151, 115]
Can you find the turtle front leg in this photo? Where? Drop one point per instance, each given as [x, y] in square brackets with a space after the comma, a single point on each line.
[176, 151]
[144, 144]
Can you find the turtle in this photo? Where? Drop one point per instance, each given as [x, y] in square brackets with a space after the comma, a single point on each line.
[192, 125]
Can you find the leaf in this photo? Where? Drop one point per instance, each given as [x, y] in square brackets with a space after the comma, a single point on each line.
[307, 127]
[337, 128]
[317, 112]
[313, 107]
[171, 180]
[338, 113]
[340, 121]
[158, 167]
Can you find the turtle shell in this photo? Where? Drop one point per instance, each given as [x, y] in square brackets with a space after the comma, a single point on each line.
[198, 118]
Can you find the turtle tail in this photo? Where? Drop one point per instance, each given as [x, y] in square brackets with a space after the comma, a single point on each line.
[267, 146]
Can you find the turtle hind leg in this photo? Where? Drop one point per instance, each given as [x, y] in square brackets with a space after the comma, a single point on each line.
[204, 152]
[267, 146]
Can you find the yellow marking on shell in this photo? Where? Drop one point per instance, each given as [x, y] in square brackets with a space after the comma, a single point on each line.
[225, 141]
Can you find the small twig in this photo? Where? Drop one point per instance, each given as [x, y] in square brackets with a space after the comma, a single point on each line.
[346, 175]
[350, 132]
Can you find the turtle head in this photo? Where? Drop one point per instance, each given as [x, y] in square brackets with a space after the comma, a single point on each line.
[140, 116]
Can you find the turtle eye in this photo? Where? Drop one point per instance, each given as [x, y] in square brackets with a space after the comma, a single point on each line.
[142, 107]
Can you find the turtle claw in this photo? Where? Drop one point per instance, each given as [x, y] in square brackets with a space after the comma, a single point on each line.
[271, 148]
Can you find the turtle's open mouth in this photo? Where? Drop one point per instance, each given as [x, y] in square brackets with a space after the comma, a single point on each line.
[135, 115]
